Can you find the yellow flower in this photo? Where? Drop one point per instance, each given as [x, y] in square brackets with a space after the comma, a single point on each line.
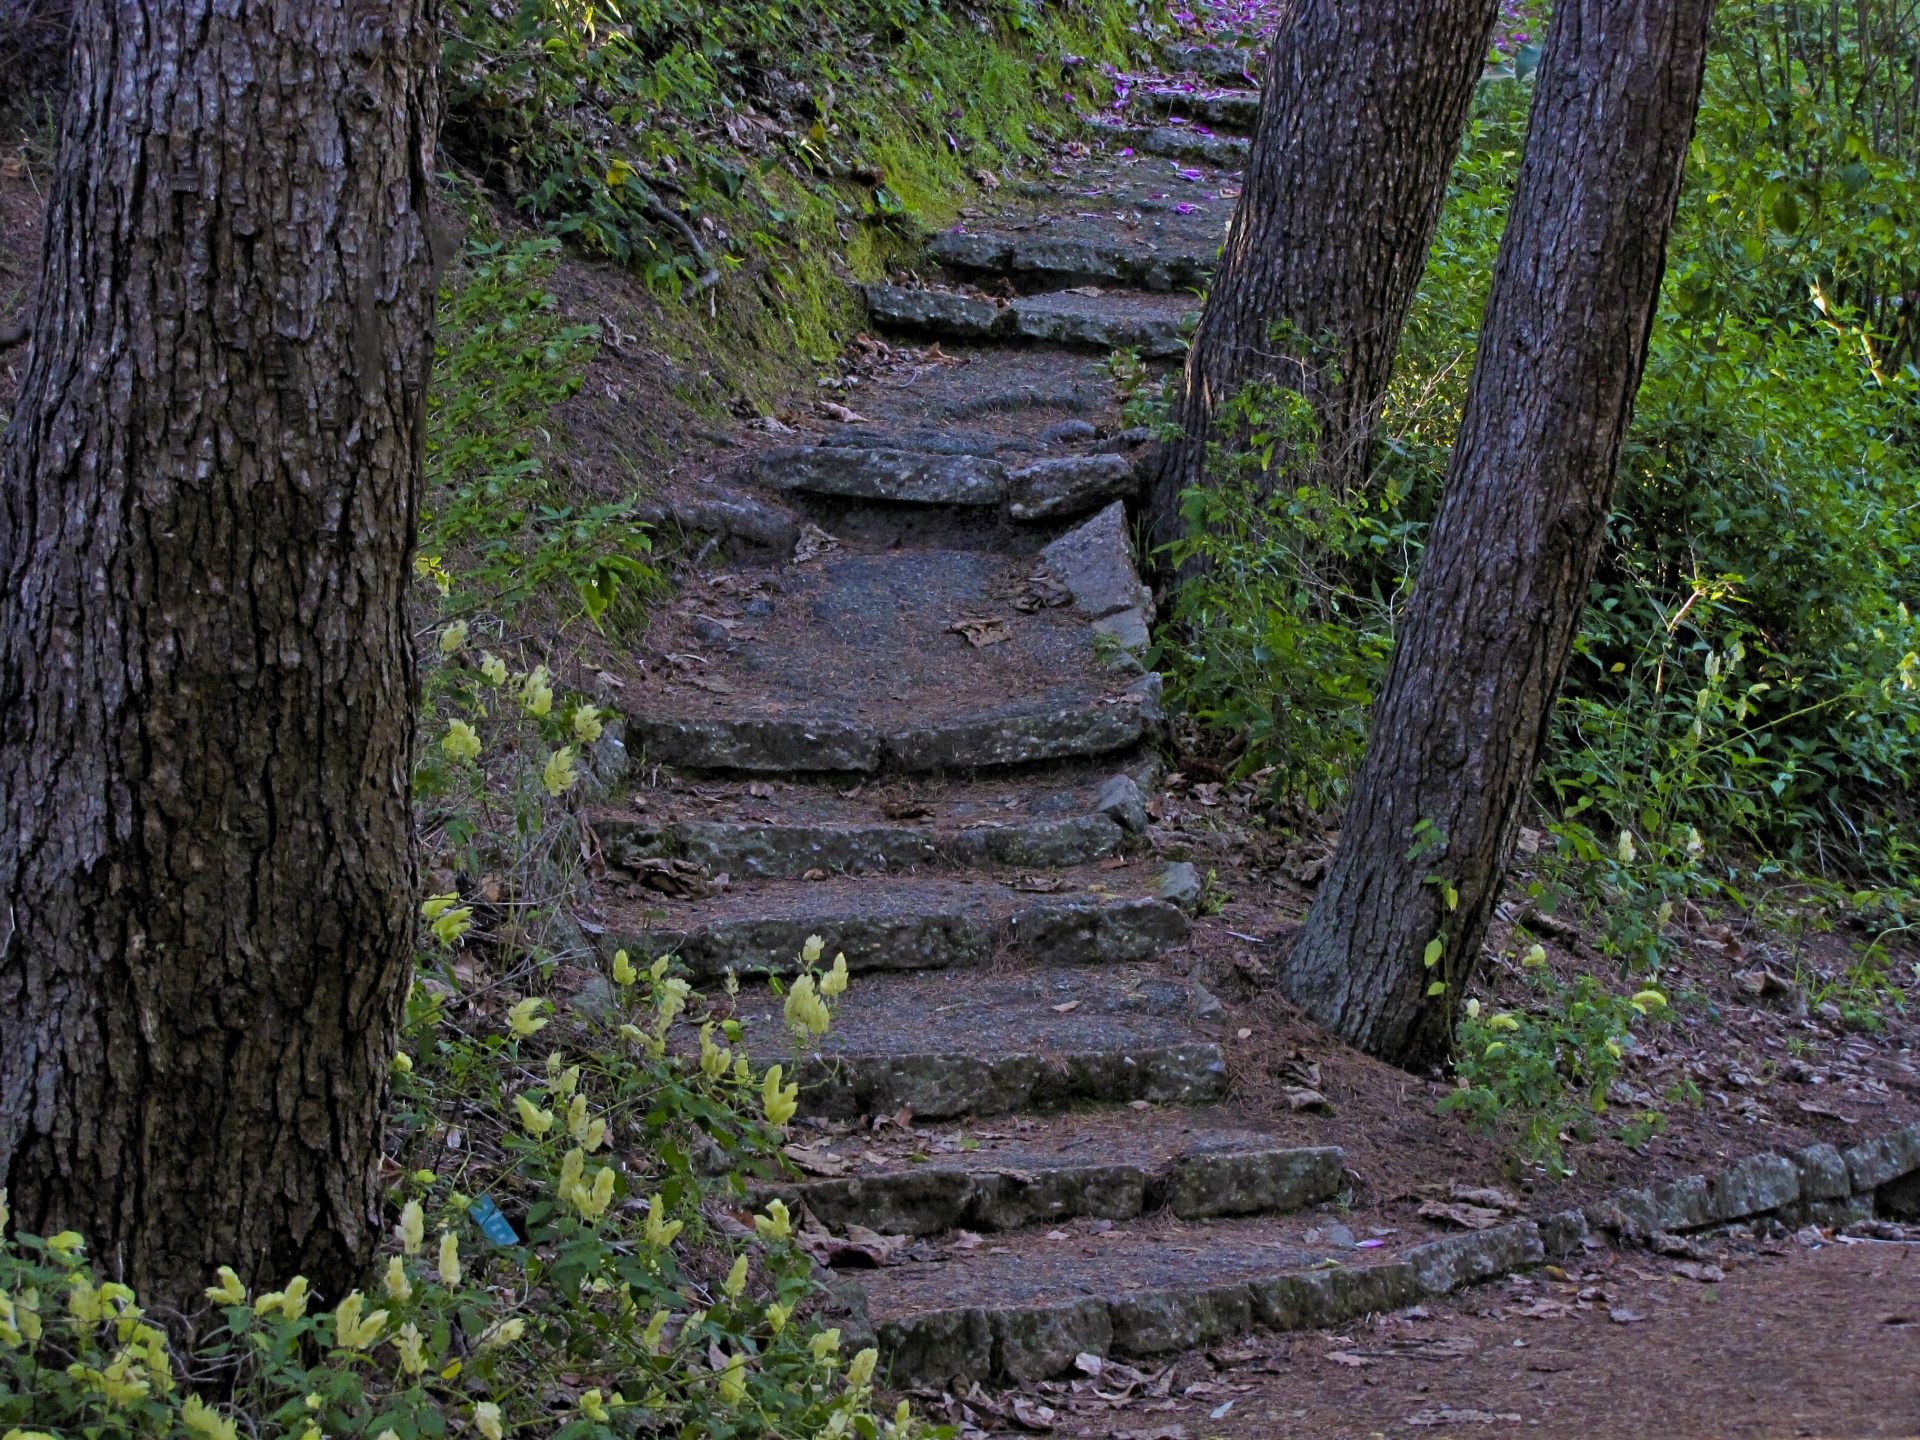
[202, 1420]
[503, 1332]
[1536, 957]
[410, 1344]
[460, 742]
[229, 1291]
[776, 1224]
[714, 1059]
[1626, 850]
[350, 1331]
[1503, 1021]
[559, 776]
[412, 1228]
[403, 1062]
[537, 693]
[428, 567]
[587, 725]
[651, 1339]
[592, 1203]
[660, 1230]
[1645, 1000]
[777, 1317]
[449, 1259]
[811, 951]
[673, 999]
[291, 1302]
[834, 982]
[493, 669]
[523, 1019]
[453, 637]
[861, 1370]
[121, 1382]
[1696, 847]
[27, 1317]
[1494, 1049]
[84, 1301]
[1473, 1009]
[623, 971]
[486, 1419]
[736, 1280]
[806, 1013]
[593, 1407]
[395, 1282]
[826, 1343]
[566, 1081]
[733, 1379]
[68, 1244]
[777, 1102]
[9, 1330]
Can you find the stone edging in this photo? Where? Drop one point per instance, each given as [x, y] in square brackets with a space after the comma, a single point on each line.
[1818, 1184]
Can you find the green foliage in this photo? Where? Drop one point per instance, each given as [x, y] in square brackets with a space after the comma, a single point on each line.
[1547, 1069]
[504, 360]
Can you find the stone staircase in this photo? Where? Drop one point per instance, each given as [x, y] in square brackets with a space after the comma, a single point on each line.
[902, 707]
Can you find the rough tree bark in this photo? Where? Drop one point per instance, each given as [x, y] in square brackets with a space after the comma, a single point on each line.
[209, 495]
[1360, 119]
[1484, 646]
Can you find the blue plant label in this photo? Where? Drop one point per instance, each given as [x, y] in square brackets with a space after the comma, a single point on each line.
[495, 1226]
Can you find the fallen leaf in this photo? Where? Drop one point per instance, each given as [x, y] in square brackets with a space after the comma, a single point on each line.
[1347, 1357]
[760, 790]
[1485, 1196]
[906, 809]
[1042, 884]
[1705, 1274]
[817, 1162]
[1064, 1009]
[842, 413]
[1620, 1315]
[1031, 1415]
[813, 543]
[1467, 1217]
[1460, 1417]
[1299, 1098]
[982, 633]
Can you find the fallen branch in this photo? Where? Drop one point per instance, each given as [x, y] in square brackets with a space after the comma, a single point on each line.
[656, 211]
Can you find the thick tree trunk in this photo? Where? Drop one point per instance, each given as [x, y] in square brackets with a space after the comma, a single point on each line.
[206, 675]
[1485, 643]
[1359, 124]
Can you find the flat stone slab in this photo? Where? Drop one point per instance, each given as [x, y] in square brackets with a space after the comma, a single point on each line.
[1027, 1311]
[936, 312]
[1176, 142]
[1215, 62]
[1105, 1167]
[1234, 110]
[1095, 561]
[1070, 259]
[1153, 324]
[1069, 486]
[902, 476]
[856, 667]
[892, 924]
[950, 1043]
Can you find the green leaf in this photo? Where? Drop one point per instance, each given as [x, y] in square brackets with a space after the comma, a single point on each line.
[1434, 947]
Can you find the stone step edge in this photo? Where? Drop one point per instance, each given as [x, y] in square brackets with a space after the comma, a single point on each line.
[1017, 1344]
[774, 850]
[933, 937]
[930, 1199]
[1022, 1343]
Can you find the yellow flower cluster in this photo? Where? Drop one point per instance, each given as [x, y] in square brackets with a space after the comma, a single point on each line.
[447, 917]
[778, 1102]
[461, 743]
[660, 1230]
[559, 775]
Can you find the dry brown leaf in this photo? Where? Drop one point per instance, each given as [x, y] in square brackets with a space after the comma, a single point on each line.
[1467, 1217]
[982, 633]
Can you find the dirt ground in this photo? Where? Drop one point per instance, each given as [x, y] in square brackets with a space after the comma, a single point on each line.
[1794, 1341]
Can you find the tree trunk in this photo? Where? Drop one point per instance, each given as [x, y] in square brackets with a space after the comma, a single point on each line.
[1359, 124]
[206, 674]
[1484, 646]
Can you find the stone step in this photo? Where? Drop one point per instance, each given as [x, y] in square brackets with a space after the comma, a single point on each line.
[905, 476]
[1179, 142]
[946, 1044]
[1026, 1310]
[757, 849]
[1155, 324]
[1236, 111]
[1214, 62]
[893, 924]
[1070, 260]
[1115, 1166]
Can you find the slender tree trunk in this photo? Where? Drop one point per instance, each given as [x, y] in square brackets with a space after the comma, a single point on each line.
[1485, 643]
[1359, 124]
[206, 674]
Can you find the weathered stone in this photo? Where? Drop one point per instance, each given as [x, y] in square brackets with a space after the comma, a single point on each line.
[1823, 1173]
[1096, 729]
[737, 516]
[1630, 1214]
[943, 1086]
[1180, 884]
[1034, 1342]
[1828, 1214]
[1899, 1199]
[966, 251]
[1752, 1187]
[1094, 560]
[906, 476]
[929, 1347]
[789, 851]
[760, 745]
[1120, 798]
[1080, 261]
[1445, 1265]
[934, 940]
[933, 442]
[1127, 629]
[1888, 1157]
[1224, 151]
[1006, 1200]
[1228, 109]
[1068, 486]
[1109, 932]
[963, 317]
[922, 1201]
[1564, 1235]
[1215, 62]
[1357, 1290]
[1035, 844]
[1104, 324]
[1250, 1182]
[1178, 1319]
[1683, 1204]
